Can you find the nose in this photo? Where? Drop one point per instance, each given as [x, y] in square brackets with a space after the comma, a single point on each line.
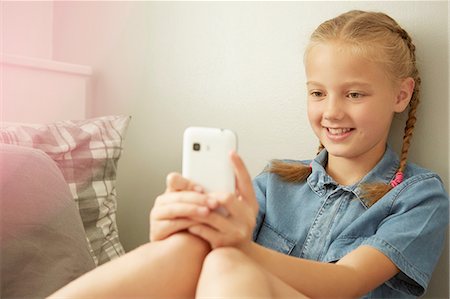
[334, 109]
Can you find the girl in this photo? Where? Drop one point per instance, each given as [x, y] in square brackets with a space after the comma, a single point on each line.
[357, 221]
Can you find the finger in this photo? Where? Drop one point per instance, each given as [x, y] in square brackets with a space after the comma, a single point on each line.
[182, 197]
[176, 182]
[165, 228]
[243, 180]
[212, 236]
[215, 221]
[230, 203]
[235, 207]
[179, 210]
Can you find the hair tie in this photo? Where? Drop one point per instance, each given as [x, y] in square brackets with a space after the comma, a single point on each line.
[310, 165]
[398, 179]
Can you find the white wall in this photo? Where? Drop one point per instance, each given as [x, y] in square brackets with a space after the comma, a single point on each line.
[35, 88]
[235, 65]
[27, 28]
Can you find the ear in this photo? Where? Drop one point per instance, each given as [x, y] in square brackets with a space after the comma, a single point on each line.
[404, 94]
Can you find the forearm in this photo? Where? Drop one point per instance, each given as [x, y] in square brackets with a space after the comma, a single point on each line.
[312, 278]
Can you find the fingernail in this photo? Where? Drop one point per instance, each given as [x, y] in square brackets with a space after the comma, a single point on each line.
[212, 203]
[193, 230]
[198, 188]
[203, 211]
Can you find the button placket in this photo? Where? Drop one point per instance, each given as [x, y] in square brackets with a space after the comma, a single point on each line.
[318, 233]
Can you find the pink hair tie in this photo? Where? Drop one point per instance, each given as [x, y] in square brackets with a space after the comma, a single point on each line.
[310, 165]
[398, 179]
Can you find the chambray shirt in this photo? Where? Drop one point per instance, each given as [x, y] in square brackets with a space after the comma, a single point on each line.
[323, 221]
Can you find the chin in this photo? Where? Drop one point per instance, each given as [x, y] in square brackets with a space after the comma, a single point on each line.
[343, 151]
[340, 154]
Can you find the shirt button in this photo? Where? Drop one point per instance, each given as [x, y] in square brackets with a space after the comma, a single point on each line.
[316, 233]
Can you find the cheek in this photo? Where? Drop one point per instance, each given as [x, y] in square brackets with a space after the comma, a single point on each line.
[315, 118]
[375, 118]
[314, 114]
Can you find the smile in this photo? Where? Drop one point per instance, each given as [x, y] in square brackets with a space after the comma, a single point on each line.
[338, 134]
[339, 131]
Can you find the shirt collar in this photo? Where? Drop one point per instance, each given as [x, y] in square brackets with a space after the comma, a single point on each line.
[319, 178]
[383, 172]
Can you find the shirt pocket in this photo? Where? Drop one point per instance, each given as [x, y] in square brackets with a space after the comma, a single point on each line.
[269, 237]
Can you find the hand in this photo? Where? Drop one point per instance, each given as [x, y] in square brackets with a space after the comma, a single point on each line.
[237, 227]
[173, 209]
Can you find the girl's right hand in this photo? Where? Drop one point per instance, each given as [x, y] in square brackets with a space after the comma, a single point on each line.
[182, 200]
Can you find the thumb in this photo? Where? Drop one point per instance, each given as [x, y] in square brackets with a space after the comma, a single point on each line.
[243, 181]
[176, 182]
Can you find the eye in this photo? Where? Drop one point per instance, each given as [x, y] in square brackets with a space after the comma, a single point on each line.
[354, 95]
[316, 94]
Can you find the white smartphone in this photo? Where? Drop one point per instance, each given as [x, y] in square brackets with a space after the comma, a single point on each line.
[206, 159]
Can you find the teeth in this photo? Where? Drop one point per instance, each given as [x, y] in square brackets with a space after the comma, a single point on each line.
[338, 131]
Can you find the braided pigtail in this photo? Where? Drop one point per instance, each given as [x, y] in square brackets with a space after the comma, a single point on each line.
[373, 192]
[413, 104]
[292, 172]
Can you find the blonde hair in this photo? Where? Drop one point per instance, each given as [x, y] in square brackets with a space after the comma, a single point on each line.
[380, 38]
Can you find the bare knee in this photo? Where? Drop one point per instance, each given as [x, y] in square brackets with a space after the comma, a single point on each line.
[227, 272]
[177, 259]
[224, 260]
[180, 245]
[220, 265]
[227, 261]
[187, 242]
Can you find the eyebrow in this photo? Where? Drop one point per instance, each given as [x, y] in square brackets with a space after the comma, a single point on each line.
[312, 82]
[350, 83]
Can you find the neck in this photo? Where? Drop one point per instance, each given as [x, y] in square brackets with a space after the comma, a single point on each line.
[348, 171]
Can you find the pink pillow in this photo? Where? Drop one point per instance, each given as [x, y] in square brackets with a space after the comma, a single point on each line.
[87, 153]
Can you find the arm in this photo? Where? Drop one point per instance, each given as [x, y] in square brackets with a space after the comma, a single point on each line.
[354, 275]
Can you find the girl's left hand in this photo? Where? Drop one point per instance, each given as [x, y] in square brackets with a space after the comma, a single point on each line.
[236, 228]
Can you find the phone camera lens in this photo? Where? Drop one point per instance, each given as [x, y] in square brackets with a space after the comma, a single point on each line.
[196, 147]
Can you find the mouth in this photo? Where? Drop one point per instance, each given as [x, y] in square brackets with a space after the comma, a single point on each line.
[338, 131]
[338, 134]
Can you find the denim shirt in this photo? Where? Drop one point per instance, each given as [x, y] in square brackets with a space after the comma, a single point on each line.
[321, 220]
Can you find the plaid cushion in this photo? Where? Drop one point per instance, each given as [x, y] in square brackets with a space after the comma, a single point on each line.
[87, 152]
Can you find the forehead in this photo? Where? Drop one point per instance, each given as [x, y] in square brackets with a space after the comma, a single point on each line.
[334, 62]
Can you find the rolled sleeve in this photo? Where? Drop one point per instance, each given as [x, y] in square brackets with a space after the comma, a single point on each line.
[413, 234]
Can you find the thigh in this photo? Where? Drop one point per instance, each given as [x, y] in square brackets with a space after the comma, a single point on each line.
[228, 272]
[167, 268]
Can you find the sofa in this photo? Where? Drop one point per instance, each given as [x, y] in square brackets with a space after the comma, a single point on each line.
[43, 243]
[58, 202]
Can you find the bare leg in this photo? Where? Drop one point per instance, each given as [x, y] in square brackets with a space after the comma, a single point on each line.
[163, 269]
[229, 273]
